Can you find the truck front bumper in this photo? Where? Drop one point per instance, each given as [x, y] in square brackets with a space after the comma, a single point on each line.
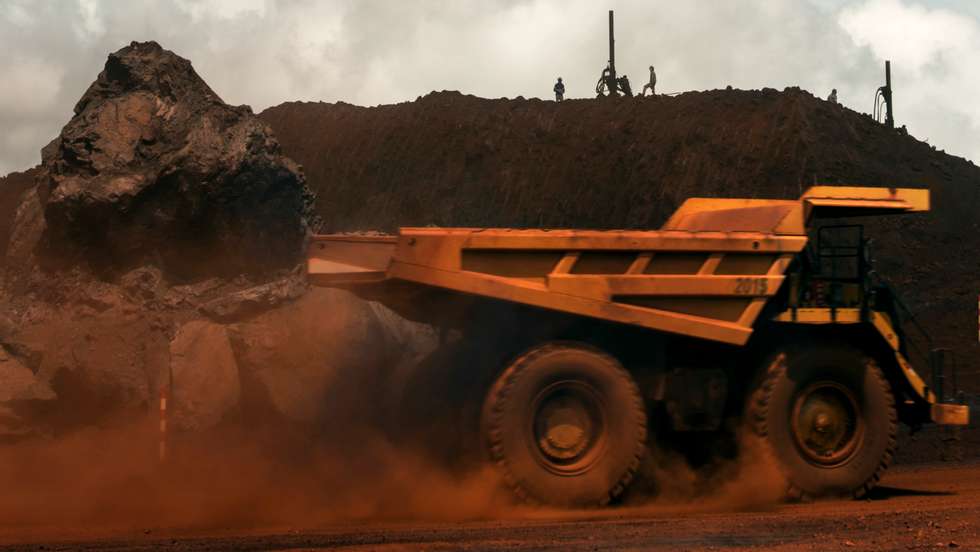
[950, 414]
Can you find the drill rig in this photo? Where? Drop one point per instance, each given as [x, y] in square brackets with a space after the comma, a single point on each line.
[883, 98]
[609, 84]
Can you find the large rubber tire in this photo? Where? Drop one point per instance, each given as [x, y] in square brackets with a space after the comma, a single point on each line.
[784, 415]
[565, 425]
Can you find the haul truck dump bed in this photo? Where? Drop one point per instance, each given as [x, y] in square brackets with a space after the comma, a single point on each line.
[710, 285]
[716, 271]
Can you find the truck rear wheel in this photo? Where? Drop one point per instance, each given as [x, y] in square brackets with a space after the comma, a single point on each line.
[566, 426]
[827, 416]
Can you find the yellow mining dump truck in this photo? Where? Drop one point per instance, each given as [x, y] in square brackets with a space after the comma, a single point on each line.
[738, 313]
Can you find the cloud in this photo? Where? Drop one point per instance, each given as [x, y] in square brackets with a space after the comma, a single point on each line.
[32, 85]
[264, 52]
[934, 81]
[222, 9]
[91, 23]
[909, 34]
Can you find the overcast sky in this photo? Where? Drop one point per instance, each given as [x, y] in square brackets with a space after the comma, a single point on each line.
[366, 52]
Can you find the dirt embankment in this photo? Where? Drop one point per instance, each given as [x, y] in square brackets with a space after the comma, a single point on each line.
[454, 160]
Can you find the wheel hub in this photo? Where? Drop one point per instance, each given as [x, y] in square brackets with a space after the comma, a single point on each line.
[564, 428]
[826, 423]
[567, 426]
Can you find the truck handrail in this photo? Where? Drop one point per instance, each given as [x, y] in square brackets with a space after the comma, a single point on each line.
[935, 358]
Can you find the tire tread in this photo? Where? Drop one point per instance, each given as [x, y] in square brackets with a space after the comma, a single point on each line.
[758, 409]
[500, 391]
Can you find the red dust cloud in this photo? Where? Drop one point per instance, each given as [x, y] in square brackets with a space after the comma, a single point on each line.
[110, 481]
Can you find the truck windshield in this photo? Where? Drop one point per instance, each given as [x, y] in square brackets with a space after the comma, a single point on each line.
[840, 253]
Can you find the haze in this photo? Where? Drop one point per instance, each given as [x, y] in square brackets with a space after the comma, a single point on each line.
[368, 52]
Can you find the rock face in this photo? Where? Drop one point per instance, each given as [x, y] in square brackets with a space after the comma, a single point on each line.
[26, 227]
[155, 168]
[13, 187]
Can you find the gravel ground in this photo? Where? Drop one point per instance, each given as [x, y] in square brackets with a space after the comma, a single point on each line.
[921, 507]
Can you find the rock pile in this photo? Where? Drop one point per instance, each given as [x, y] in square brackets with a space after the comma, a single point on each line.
[147, 251]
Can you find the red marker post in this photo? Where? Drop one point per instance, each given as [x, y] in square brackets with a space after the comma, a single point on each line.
[163, 424]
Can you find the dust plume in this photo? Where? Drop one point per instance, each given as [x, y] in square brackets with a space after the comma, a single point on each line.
[382, 443]
[750, 481]
[110, 480]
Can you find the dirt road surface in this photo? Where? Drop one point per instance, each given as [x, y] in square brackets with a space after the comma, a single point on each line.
[916, 508]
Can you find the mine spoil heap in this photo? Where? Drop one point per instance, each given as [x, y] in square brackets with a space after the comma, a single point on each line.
[449, 159]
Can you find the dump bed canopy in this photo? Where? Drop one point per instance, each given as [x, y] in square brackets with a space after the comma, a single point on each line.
[790, 216]
[843, 201]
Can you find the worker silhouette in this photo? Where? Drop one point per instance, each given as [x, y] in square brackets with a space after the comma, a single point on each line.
[832, 98]
[624, 86]
[559, 90]
[652, 85]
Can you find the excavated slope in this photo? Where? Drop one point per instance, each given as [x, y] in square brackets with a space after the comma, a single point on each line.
[454, 160]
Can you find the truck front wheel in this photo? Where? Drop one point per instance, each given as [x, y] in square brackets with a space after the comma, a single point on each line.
[566, 426]
[827, 417]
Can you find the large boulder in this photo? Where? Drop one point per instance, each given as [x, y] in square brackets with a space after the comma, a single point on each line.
[204, 376]
[329, 358]
[18, 382]
[19, 386]
[93, 359]
[155, 168]
[314, 359]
